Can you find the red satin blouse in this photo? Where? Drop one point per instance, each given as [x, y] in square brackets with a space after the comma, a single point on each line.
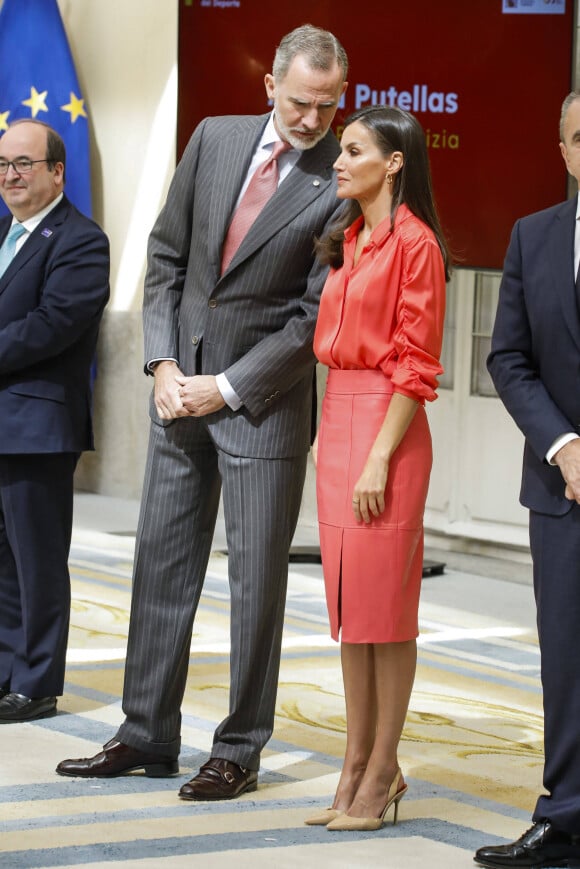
[387, 312]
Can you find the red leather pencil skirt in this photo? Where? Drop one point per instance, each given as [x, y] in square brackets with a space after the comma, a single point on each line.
[372, 573]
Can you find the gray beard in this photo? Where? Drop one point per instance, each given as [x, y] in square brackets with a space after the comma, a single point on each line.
[297, 142]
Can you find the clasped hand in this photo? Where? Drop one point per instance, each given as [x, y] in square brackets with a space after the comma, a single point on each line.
[177, 395]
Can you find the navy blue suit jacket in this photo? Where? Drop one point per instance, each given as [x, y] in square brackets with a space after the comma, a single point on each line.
[535, 351]
[51, 300]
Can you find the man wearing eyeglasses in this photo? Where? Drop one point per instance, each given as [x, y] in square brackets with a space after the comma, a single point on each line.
[54, 284]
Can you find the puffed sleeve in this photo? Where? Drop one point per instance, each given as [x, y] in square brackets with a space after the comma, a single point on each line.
[420, 316]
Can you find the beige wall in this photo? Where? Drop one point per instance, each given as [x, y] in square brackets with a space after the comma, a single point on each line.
[125, 53]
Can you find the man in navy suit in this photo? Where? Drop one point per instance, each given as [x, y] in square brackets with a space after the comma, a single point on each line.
[54, 284]
[535, 366]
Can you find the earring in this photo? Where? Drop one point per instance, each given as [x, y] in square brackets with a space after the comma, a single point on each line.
[389, 178]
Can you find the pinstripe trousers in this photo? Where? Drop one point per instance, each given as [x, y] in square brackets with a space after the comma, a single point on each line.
[184, 474]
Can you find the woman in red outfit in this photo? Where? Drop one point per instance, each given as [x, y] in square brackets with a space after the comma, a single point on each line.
[379, 331]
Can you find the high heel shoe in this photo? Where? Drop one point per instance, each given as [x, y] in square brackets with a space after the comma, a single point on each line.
[394, 797]
[323, 818]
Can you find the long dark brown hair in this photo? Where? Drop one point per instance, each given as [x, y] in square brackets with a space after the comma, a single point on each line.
[393, 130]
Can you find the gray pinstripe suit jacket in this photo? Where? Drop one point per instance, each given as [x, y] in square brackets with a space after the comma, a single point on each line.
[256, 322]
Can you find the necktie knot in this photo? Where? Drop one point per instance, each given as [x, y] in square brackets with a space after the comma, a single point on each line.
[8, 248]
[14, 233]
[279, 148]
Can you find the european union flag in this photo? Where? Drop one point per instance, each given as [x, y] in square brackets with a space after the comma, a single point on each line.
[38, 80]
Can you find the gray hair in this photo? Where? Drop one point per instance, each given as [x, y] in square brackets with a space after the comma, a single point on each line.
[571, 98]
[320, 47]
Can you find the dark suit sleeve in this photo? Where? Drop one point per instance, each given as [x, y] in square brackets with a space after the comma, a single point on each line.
[280, 360]
[513, 362]
[73, 288]
[168, 254]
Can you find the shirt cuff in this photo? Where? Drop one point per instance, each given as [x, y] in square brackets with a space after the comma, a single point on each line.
[558, 444]
[152, 364]
[229, 395]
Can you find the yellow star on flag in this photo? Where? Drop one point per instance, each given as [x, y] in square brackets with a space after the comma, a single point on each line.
[36, 102]
[4, 120]
[76, 107]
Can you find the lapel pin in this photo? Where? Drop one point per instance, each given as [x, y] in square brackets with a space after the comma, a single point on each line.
[316, 183]
[46, 233]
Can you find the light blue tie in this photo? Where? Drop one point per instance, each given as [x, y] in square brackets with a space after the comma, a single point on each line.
[8, 249]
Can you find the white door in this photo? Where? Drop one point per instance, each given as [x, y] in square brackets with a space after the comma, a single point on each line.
[477, 448]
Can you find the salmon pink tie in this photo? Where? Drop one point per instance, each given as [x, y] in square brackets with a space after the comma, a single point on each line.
[262, 186]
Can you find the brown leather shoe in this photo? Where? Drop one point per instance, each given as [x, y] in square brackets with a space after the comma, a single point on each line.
[220, 779]
[116, 758]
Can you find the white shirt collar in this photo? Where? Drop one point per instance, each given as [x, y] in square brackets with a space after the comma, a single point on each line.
[270, 135]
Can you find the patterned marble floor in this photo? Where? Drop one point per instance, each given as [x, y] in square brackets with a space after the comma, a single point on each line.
[471, 750]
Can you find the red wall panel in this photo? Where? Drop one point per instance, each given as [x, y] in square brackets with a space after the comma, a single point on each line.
[486, 85]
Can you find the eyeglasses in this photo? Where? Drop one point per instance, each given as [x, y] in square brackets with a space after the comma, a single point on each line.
[21, 166]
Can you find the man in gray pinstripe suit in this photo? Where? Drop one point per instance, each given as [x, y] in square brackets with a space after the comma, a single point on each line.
[232, 358]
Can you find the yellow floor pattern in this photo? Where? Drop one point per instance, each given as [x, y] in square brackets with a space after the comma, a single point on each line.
[471, 750]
